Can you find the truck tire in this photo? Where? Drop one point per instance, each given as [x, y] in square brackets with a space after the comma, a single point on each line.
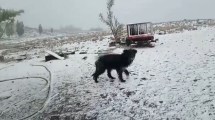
[151, 44]
[128, 42]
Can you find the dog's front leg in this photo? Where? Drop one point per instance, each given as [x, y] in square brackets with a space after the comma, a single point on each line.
[126, 72]
[119, 72]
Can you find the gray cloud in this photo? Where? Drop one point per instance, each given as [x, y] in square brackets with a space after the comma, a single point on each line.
[84, 13]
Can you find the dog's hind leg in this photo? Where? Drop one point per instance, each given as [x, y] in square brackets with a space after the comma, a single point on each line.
[109, 74]
[119, 72]
[99, 70]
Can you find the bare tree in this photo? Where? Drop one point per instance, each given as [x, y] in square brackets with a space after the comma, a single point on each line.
[9, 29]
[52, 30]
[112, 22]
[20, 28]
[40, 29]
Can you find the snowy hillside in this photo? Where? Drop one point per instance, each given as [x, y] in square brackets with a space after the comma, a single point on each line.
[172, 81]
[179, 26]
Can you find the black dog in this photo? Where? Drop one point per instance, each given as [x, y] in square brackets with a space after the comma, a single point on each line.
[119, 62]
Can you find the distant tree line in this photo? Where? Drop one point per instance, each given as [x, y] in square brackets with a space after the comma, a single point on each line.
[7, 25]
[96, 29]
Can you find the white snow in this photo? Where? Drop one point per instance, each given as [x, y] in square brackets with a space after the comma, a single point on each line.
[173, 80]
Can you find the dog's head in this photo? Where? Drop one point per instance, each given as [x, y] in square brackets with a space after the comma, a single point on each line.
[130, 54]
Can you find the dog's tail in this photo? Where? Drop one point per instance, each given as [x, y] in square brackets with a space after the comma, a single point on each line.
[94, 72]
[96, 65]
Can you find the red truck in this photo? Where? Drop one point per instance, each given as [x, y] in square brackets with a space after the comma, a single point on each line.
[140, 34]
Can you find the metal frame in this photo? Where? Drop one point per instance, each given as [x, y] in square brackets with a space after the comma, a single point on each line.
[138, 27]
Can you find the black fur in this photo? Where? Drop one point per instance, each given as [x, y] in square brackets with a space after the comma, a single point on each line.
[119, 62]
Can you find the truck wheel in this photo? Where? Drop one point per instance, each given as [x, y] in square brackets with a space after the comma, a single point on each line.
[151, 44]
[128, 42]
[140, 43]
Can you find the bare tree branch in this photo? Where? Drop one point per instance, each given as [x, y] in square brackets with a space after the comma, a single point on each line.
[112, 22]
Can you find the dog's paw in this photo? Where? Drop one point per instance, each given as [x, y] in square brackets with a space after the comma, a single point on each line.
[122, 80]
[111, 80]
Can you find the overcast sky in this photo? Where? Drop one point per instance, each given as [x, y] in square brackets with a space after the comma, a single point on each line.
[84, 13]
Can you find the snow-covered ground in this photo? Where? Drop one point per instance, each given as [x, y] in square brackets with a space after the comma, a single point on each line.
[172, 81]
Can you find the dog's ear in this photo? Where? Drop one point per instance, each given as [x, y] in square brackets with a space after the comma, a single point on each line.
[125, 51]
[135, 51]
